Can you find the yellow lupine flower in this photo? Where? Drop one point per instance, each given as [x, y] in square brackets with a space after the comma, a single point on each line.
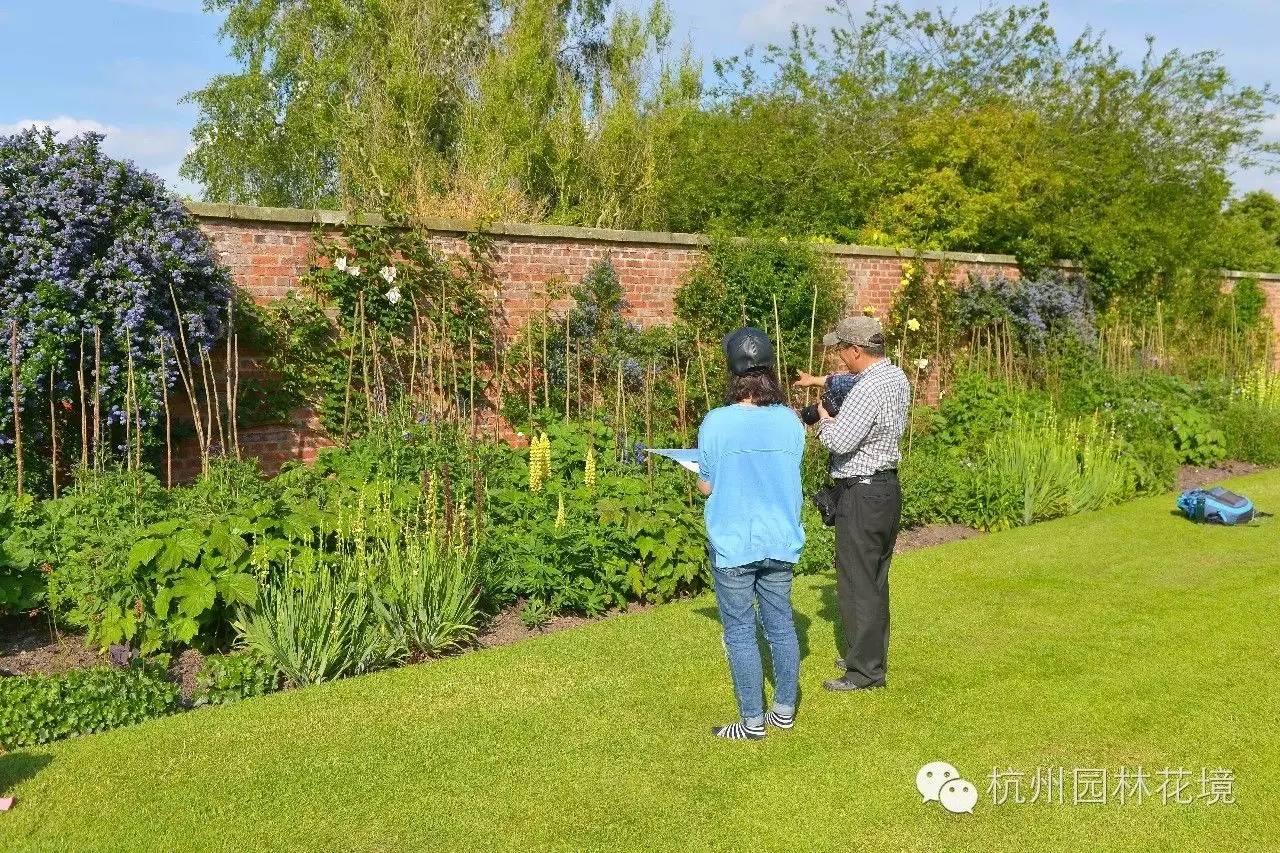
[539, 462]
[591, 467]
[560, 511]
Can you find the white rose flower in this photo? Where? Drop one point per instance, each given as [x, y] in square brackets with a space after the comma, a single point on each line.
[922, 364]
[393, 295]
[341, 263]
[388, 274]
[353, 270]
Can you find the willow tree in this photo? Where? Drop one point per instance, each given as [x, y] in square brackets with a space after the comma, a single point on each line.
[475, 108]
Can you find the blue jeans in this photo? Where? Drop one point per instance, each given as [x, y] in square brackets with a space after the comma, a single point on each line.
[737, 591]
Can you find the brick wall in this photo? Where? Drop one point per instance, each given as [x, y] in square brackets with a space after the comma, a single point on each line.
[267, 249]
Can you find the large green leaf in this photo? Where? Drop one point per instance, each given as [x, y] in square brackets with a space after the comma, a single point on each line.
[143, 552]
[237, 587]
[196, 590]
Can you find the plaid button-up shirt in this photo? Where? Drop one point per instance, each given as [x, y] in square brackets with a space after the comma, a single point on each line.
[863, 438]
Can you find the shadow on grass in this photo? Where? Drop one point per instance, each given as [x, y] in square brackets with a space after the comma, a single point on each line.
[829, 612]
[18, 767]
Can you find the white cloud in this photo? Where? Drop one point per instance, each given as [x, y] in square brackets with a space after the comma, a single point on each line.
[772, 19]
[64, 126]
[158, 149]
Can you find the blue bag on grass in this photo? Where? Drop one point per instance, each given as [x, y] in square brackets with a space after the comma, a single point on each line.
[1216, 506]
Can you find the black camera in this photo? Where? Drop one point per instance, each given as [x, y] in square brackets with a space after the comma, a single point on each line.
[834, 391]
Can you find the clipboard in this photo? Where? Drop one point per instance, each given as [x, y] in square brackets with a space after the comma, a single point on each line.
[687, 458]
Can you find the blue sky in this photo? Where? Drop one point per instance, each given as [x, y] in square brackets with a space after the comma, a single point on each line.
[121, 66]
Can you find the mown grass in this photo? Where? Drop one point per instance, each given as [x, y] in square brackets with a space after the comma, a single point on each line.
[1122, 638]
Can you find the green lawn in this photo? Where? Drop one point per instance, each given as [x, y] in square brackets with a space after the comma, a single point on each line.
[1122, 638]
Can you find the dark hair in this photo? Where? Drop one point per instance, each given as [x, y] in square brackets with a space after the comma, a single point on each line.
[759, 386]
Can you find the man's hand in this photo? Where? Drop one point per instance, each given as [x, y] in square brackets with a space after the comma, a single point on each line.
[704, 487]
[823, 414]
[806, 380]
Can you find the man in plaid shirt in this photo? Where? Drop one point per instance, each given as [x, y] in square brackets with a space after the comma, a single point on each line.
[863, 439]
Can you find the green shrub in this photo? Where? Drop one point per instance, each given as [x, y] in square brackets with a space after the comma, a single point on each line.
[230, 678]
[634, 532]
[932, 487]
[1196, 439]
[819, 553]
[22, 585]
[37, 709]
[740, 280]
[975, 407]
[1252, 433]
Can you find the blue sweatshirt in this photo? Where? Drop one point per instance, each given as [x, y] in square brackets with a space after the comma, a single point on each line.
[751, 457]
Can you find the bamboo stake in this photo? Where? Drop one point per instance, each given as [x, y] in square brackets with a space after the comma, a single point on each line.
[212, 403]
[471, 379]
[364, 362]
[128, 403]
[17, 409]
[777, 349]
[132, 411]
[168, 421]
[189, 382]
[231, 321]
[567, 376]
[546, 377]
[84, 415]
[413, 350]
[528, 340]
[813, 334]
[53, 433]
[234, 399]
[351, 366]
[502, 382]
[702, 366]
[97, 397]
[617, 413]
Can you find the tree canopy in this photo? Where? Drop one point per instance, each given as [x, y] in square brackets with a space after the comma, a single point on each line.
[991, 133]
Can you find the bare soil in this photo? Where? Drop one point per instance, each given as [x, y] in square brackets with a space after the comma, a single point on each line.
[183, 670]
[29, 644]
[933, 534]
[1196, 476]
[506, 628]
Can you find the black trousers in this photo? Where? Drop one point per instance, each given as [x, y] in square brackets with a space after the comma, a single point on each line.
[866, 525]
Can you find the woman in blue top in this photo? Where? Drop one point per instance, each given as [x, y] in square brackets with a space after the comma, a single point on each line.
[749, 454]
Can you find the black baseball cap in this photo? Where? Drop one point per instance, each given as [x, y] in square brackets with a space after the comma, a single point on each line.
[746, 350]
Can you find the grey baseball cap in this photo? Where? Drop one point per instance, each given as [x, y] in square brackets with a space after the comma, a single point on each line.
[860, 331]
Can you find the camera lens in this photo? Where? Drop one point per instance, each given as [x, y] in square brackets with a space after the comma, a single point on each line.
[809, 414]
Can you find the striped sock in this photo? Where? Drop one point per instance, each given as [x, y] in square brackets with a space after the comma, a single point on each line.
[780, 721]
[738, 731]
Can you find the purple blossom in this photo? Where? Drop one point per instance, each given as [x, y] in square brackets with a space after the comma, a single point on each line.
[89, 243]
[1055, 302]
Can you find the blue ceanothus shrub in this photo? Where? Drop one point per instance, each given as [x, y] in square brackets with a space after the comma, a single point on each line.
[89, 243]
[1054, 302]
